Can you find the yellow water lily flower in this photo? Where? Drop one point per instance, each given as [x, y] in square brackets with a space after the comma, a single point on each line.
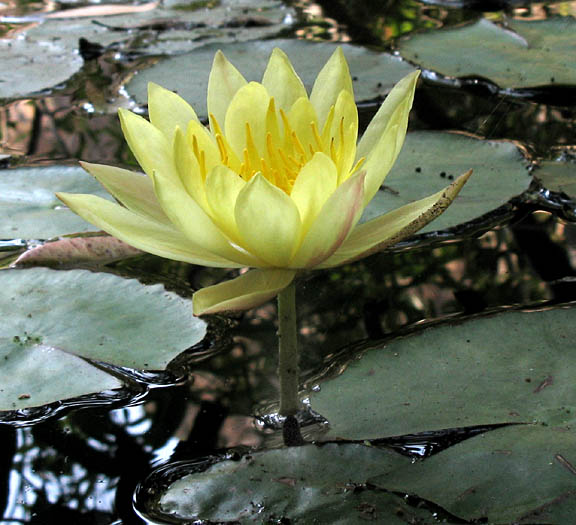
[277, 182]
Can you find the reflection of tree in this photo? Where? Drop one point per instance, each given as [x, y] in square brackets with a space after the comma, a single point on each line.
[494, 116]
[379, 22]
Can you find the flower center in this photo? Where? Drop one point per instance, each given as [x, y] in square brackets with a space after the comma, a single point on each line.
[283, 152]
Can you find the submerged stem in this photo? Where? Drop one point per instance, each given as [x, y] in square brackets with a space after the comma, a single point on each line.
[288, 357]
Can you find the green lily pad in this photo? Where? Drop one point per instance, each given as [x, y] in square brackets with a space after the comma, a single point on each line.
[51, 318]
[513, 367]
[375, 73]
[558, 176]
[307, 484]
[519, 474]
[429, 161]
[30, 210]
[529, 53]
[164, 28]
[28, 67]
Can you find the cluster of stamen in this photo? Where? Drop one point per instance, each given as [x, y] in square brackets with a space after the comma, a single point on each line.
[282, 159]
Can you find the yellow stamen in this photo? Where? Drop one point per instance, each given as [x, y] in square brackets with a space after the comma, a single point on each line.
[317, 137]
[222, 149]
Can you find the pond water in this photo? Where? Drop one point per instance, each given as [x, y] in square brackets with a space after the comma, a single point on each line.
[107, 458]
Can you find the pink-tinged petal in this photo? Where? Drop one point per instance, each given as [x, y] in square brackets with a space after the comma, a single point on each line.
[391, 228]
[168, 110]
[152, 149]
[190, 219]
[249, 290]
[141, 232]
[224, 81]
[332, 79]
[268, 222]
[333, 224]
[133, 190]
[282, 82]
[314, 185]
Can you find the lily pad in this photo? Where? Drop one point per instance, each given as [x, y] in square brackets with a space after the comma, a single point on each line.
[307, 484]
[165, 28]
[429, 161]
[51, 318]
[30, 210]
[518, 474]
[375, 73]
[558, 177]
[89, 250]
[513, 367]
[528, 53]
[29, 67]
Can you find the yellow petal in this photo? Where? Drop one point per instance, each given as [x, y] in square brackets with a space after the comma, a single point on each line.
[189, 218]
[149, 145]
[133, 190]
[302, 118]
[332, 79]
[385, 135]
[224, 81]
[189, 169]
[168, 110]
[333, 224]
[315, 183]
[268, 221]
[140, 232]
[248, 107]
[247, 291]
[344, 129]
[281, 81]
[390, 228]
[401, 95]
[204, 146]
[222, 188]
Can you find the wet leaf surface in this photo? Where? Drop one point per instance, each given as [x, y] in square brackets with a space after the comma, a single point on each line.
[374, 73]
[517, 474]
[505, 368]
[429, 161]
[50, 314]
[527, 53]
[30, 210]
[304, 484]
[29, 67]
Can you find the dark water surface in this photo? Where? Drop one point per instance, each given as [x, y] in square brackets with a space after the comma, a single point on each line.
[81, 462]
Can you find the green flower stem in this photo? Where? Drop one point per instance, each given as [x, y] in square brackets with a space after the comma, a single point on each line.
[288, 357]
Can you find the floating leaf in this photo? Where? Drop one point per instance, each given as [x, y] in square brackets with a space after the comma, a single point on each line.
[173, 27]
[64, 314]
[30, 210]
[558, 177]
[90, 250]
[29, 67]
[530, 53]
[430, 160]
[302, 484]
[375, 73]
[513, 367]
[518, 474]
